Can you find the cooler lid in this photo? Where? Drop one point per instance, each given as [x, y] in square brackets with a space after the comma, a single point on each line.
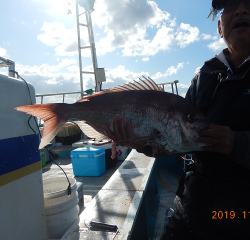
[105, 145]
[87, 151]
[88, 143]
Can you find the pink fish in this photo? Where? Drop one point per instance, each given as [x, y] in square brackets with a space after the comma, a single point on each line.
[165, 120]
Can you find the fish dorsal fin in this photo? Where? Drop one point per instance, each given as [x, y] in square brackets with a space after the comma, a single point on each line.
[90, 131]
[147, 84]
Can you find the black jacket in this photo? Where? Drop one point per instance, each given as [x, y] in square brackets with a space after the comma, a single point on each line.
[225, 101]
[213, 201]
[220, 183]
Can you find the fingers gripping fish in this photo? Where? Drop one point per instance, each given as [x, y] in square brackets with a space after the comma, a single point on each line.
[167, 120]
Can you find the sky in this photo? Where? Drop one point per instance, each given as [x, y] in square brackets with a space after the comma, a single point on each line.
[163, 39]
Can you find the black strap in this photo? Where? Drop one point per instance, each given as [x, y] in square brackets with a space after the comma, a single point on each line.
[181, 187]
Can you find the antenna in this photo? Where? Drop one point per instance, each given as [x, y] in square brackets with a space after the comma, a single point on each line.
[69, 8]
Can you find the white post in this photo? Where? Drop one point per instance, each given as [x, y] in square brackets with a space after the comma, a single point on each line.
[79, 47]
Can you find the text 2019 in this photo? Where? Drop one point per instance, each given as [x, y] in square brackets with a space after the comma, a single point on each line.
[229, 215]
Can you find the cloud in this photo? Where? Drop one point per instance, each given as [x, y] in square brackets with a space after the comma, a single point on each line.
[173, 23]
[181, 88]
[218, 45]
[51, 78]
[184, 36]
[124, 24]
[45, 69]
[197, 70]
[208, 37]
[64, 77]
[145, 59]
[126, 28]
[187, 35]
[127, 16]
[59, 7]
[170, 71]
[3, 52]
[125, 21]
[73, 68]
[120, 75]
[64, 40]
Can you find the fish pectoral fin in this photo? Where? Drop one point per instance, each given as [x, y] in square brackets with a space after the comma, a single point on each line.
[90, 131]
[135, 140]
[143, 139]
[147, 138]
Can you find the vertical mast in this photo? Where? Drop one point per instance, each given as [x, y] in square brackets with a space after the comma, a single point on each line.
[99, 73]
[79, 47]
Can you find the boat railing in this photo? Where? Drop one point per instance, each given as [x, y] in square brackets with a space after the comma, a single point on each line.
[163, 85]
[58, 94]
[172, 83]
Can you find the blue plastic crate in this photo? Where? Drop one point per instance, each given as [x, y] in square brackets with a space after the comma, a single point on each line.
[88, 161]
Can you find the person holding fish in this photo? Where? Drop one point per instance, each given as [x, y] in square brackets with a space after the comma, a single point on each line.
[213, 200]
[212, 123]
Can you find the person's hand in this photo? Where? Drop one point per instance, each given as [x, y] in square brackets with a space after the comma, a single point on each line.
[122, 133]
[220, 139]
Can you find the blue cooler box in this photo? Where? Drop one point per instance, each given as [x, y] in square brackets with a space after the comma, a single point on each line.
[88, 161]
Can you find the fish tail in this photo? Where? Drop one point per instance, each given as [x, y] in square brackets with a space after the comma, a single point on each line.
[52, 115]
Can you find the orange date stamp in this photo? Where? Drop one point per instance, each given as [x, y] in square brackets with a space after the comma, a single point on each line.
[229, 215]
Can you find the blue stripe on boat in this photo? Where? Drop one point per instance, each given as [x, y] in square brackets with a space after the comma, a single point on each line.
[17, 152]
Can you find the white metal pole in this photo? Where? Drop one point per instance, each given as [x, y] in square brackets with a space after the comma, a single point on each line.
[79, 47]
[92, 44]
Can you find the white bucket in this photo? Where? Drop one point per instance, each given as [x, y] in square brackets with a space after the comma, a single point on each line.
[61, 210]
[122, 153]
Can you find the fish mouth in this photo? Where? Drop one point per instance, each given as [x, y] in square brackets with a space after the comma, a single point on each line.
[241, 23]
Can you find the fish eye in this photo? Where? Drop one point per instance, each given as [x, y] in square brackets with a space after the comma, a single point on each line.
[191, 117]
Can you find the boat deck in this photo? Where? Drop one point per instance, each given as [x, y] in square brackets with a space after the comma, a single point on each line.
[91, 185]
[154, 180]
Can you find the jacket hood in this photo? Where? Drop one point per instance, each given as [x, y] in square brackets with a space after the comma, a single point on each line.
[219, 64]
[214, 65]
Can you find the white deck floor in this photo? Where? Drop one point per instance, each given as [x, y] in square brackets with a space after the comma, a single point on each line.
[91, 185]
[167, 184]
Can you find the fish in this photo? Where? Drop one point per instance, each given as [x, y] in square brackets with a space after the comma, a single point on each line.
[161, 119]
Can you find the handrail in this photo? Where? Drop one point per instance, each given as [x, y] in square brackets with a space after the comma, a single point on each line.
[9, 64]
[56, 94]
[172, 85]
[84, 94]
